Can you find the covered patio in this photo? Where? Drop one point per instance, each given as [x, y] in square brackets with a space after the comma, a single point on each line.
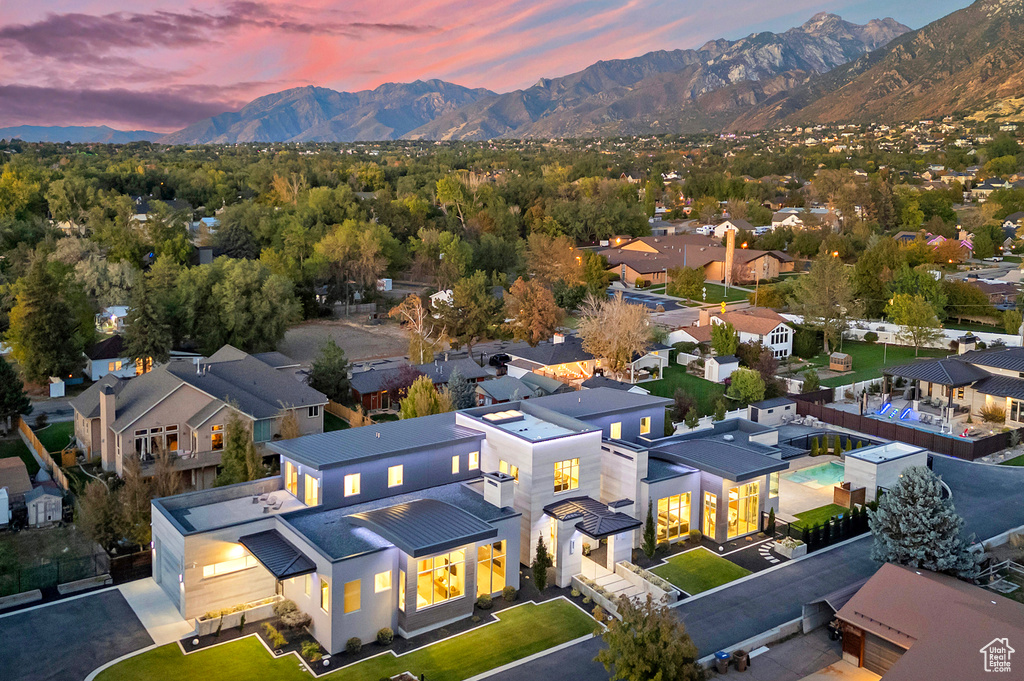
[943, 405]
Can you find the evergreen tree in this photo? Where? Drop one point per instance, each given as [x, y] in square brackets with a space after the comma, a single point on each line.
[650, 540]
[692, 420]
[914, 526]
[541, 563]
[811, 381]
[814, 447]
[770, 525]
[461, 391]
[44, 335]
[719, 414]
[13, 398]
[240, 460]
[648, 642]
[329, 373]
[133, 504]
[147, 334]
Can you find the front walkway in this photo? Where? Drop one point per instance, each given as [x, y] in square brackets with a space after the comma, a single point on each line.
[154, 609]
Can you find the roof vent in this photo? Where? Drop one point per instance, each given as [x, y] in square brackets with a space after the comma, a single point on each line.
[377, 434]
[728, 438]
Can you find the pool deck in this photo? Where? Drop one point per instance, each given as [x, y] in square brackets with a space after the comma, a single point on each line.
[795, 497]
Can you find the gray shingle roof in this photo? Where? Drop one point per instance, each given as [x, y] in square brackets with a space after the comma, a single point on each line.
[596, 520]
[598, 381]
[583, 404]
[277, 554]
[545, 384]
[1001, 386]
[424, 526]
[550, 354]
[325, 450]
[724, 459]
[951, 372]
[374, 380]
[505, 389]
[772, 403]
[999, 358]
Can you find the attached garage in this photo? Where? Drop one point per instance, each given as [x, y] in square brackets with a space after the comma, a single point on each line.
[879, 654]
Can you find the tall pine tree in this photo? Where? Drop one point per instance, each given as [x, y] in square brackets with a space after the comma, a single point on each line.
[148, 335]
[329, 373]
[462, 392]
[13, 399]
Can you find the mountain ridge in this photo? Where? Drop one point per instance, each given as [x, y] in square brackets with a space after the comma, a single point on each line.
[76, 134]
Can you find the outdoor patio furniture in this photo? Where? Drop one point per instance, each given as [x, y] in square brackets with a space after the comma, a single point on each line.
[279, 504]
[263, 498]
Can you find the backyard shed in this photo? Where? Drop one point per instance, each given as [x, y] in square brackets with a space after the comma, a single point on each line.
[770, 412]
[840, 361]
[717, 369]
[881, 466]
[44, 506]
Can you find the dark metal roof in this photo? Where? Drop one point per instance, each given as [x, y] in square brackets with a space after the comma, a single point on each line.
[1001, 386]
[999, 358]
[952, 372]
[596, 520]
[724, 459]
[378, 379]
[338, 447]
[425, 526]
[657, 470]
[727, 359]
[583, 404]
[277, 554]
[111, 348]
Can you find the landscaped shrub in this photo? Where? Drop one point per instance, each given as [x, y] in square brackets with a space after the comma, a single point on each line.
[575, 593]
[385, 636]
[241, 622]
[509, 593]
[354, 645]
[276, 638]
[770, 525]
[284, 607]
[484, 602]
[993, 414]
[640, 283]
[311, 651]
[814, 447]
[871, 337]
[694, 535]
[296, 619]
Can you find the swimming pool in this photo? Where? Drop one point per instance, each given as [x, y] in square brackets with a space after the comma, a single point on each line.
[816, 477]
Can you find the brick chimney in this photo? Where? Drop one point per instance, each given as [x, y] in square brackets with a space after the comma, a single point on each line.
[108, 412]
[704, 317]
[558, 338]
[499, 489]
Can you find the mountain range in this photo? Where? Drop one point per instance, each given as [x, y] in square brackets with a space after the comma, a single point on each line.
[76, 134]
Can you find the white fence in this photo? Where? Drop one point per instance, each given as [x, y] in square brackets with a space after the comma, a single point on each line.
[707, 422]
[839, 393]
[895, 334]
[685, 358]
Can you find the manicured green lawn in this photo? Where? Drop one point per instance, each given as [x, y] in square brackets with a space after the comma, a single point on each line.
[980, 328]
[57, 436]
[819, 515]
[867, 360]
[384, 417]
[519, 632]
[18, 448]
[699, 570]
[705, 393]
[1016, 461]
[716, 294]
[332, 422]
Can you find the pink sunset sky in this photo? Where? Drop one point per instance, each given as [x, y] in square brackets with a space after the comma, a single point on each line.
[161, 65]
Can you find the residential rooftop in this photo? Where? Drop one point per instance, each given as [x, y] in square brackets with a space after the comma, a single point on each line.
[527, 421]
[597, 402]
[890, 451]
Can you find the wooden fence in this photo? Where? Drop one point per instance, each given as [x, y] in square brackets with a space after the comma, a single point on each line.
[961, 448]
[355, 417]
[51, 466]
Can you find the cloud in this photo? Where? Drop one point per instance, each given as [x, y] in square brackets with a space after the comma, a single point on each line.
[74, 36]
[162, 110]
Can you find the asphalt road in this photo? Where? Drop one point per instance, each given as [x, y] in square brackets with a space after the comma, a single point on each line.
[69, 639]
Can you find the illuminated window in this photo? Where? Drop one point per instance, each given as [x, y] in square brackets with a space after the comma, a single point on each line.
[307, 585]
[312, 491]
[674, 517]
[743, 509]
[490, 570]
[455, 465]
[440, 578]
[325, 595]
[773, 485]
[217, 438]
[395, 476]
[507, 468]
[115, 366]
[143, 366]
[352, 590]
[352, 484]
[474, 460]
[382, 581]
[401, 590]
[567, 475]
[291, 478]
[228, 566]
[616, 431]
[645, 425]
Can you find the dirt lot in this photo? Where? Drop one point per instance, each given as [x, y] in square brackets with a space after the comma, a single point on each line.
[359, 341]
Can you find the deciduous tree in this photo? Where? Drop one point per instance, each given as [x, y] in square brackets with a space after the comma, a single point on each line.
[747, 385]
[423, 399]
[648, 642]
[532, 309]
[329, 373]
[917, 318]
[825, 297]
[14, 400]
[686, 282]
[472, 314]
[419, 323]
[724, 339]
[614, 330]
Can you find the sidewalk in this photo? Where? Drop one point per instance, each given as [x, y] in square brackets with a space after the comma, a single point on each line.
[154, 609]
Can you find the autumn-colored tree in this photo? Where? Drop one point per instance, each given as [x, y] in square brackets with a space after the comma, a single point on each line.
[614, 330]
[532, 309]
[423, 399]
[551, 259]
[133, 504]
[166, 480]
[419, 324]
[916, 316]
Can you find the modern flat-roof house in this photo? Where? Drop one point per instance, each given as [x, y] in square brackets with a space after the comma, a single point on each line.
[376, 387]
[916, 625]
[403, 524]
[183, 407]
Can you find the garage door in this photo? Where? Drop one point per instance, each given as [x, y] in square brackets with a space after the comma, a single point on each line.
[879, 654]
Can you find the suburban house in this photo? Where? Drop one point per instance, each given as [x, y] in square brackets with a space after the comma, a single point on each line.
[753, 325]
[966, 383]
[112, 319]
[1001, 294]
[982, 191]
[565, 359]
[183, 407]
[403, 524]
[796, 218]
[736, 225]
[143, 207]
[502, 389]
[376, 387]
[916, 625]
[108, 357]
[649, 258]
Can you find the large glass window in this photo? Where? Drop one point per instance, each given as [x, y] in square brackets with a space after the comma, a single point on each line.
[352, 594]
[312, 491]
[567, 475]
[172, 438]
[474, 460]
[490, 571]
[1016, 410]
[645, 425]
[616, 431]
[506, 467]
[401, 590]
[382, 581]
[440, 578]
[710, 514]
[773, 485]
[228, 566]
[261, 430]
[291, 478]
[744, 505]
[674, 517]
[325, 595]
[455, 465]
[395, 475]
[352, 484]
[217, 438]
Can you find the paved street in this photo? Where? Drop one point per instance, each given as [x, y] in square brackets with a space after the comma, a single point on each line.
[67, 640]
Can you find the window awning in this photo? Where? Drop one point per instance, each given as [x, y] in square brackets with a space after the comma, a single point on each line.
[596, 520]
[277, 554]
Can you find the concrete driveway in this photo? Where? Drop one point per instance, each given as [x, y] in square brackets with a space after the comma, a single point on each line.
[67, 640]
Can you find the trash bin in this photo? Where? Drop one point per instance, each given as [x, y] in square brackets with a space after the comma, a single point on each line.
[741, 658]
[722, 662]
